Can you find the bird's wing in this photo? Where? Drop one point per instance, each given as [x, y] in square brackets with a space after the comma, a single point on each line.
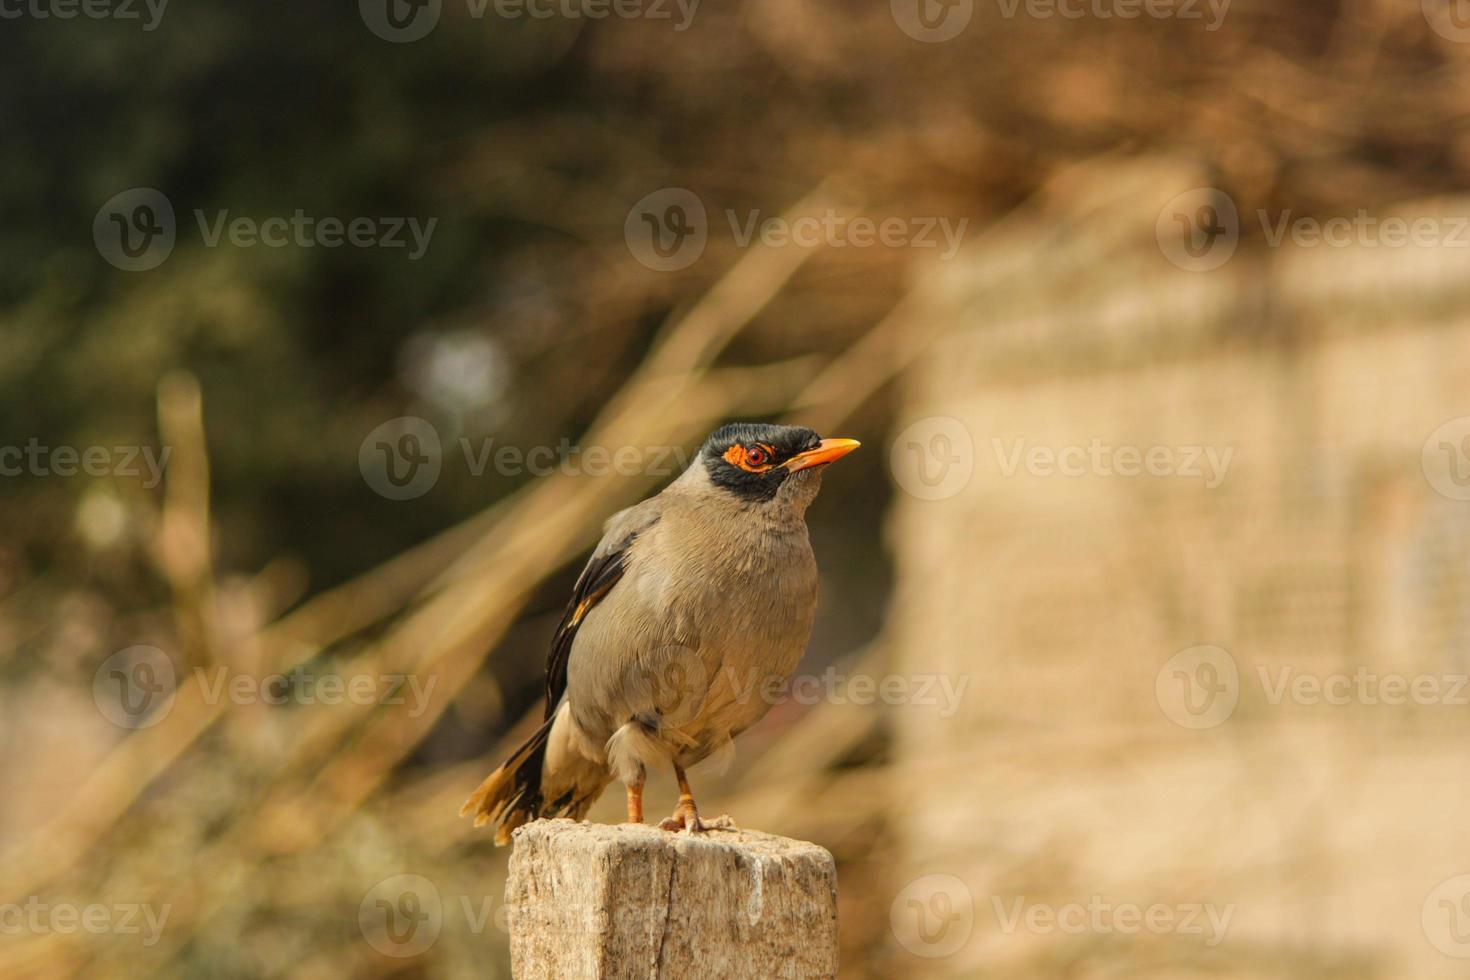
[603, 571]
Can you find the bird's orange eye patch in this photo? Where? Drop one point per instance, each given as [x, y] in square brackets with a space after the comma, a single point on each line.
[751, 459]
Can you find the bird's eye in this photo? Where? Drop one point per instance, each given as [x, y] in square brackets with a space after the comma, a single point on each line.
[751, 459]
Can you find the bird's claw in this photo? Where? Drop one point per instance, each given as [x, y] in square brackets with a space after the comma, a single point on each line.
[688, 820]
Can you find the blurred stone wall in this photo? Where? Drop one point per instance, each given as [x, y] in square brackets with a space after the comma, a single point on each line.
[1152, 499]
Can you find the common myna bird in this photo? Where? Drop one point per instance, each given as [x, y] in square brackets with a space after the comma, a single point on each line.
[695, 601]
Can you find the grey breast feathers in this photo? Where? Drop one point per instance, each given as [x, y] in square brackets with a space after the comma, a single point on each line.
[709, 605]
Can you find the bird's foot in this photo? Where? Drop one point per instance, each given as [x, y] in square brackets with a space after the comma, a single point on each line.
[687, 819]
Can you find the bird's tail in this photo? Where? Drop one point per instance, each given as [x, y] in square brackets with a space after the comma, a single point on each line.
[546, 777]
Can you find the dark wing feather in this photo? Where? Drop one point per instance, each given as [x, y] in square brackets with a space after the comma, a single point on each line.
[603, 571]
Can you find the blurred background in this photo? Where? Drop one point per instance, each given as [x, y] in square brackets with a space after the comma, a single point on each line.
[1146, 606]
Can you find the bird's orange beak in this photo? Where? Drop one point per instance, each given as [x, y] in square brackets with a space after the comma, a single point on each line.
[827, 451]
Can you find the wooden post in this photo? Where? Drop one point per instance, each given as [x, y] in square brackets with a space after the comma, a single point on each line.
[596, 902]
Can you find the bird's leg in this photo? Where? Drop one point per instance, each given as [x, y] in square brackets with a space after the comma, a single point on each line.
[635, 799]
[686, 814]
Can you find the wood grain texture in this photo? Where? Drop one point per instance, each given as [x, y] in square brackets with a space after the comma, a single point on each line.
[598, 901]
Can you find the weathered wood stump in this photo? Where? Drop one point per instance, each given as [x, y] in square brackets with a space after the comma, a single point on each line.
[598, 901]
